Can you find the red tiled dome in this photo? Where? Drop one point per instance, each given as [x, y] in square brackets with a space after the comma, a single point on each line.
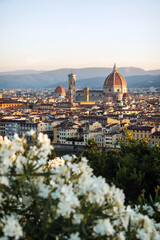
[114, 79]
[127, 95]
[59, 90]
[109, 95]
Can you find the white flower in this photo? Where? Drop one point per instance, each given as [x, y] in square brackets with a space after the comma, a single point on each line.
[121, 236]
[27, 200]
[4, 180]
[56, 162]
[149, 210]
[142, 235]
[157, 205]
[74, 236]
[67, 157]
[74, 190]
[68, 201]
[44, 190]
[4, 238]
[12, 227]
[56, 194]
[77, 218]
[20, 161]
[103, 227]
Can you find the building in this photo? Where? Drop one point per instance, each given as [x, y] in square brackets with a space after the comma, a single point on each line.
[72, 82]
[59, 92]
[114, 89]
[155, 138]
[141, 132]
[70, 93]
[46, 127]
[8, 128]
[115, 85]
[9, 102]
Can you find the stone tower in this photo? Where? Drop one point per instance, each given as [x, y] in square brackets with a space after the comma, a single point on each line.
[70, 93]
[86, 94]
[72, 80]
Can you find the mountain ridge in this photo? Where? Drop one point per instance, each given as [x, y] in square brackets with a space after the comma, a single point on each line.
[52, 77]
[137, 81]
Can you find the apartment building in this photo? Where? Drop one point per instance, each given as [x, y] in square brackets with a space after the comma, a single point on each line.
[139, 132]
[9, 127]
[146, 132]
[155, 138]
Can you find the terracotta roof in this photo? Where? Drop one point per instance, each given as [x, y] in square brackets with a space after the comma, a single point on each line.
[142, 128]
[157, 133]
[126, 95]
[115, 79]
[109, 95]
[60, 89]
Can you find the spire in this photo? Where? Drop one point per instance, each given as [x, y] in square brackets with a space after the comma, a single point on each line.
[114, 68]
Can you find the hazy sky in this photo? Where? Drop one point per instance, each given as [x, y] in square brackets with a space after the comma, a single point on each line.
[52, 34]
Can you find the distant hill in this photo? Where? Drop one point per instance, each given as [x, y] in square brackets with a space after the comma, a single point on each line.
[21, 72]
[143, 81]
[85, 76]
[132, 82]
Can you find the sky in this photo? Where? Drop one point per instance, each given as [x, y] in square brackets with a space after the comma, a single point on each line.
[53, 34]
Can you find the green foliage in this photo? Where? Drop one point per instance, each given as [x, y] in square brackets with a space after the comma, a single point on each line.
[74, 139]
[136, 166]
[80, 131]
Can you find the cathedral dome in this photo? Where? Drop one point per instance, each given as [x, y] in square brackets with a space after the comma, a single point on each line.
[115, 82]
[59, 91]
[109, 95]
[126, 96]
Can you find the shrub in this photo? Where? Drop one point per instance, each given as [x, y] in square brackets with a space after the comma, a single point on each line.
[133, 168]
[43, 198]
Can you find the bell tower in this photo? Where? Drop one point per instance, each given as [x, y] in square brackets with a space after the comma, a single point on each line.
[70, 93]
[72, 80]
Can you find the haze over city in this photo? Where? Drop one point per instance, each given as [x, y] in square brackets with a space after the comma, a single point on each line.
[47, 35]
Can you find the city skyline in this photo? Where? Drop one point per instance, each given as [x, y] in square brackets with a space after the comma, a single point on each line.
[47, 35]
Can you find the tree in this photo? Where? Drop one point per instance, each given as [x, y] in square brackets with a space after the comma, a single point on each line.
[133, 168]
[80, 131]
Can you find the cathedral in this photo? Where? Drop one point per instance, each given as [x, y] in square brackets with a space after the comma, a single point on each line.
[114, 89]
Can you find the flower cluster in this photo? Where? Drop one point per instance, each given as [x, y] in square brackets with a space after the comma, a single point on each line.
[43, 198]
